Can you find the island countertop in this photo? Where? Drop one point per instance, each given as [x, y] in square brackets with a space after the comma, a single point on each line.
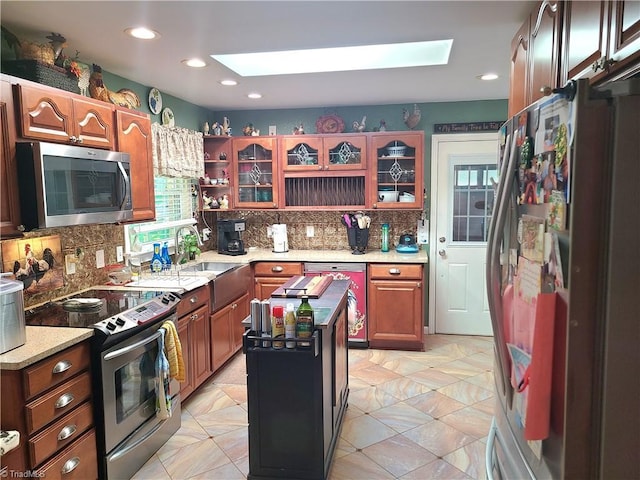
[325, 308]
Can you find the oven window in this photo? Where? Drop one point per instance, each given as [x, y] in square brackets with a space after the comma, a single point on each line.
[135, 384]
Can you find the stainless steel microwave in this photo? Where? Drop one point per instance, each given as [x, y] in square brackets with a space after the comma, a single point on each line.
[64, 185]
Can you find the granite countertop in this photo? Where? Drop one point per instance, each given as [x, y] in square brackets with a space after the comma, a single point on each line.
[265, 255]
[41, 343]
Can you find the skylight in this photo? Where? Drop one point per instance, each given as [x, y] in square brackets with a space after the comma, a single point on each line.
[366, 57]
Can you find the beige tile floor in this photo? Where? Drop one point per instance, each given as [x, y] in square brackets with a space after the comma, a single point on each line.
[411, 415]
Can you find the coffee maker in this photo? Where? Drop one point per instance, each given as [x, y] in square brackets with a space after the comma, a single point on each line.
[229, 241]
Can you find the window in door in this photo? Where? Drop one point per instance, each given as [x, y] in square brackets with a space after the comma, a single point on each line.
[473, 197]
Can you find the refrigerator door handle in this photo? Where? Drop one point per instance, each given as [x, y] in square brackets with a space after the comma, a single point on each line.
[493, 273]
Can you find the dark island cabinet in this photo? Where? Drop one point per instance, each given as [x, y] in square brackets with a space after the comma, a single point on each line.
[297, 399]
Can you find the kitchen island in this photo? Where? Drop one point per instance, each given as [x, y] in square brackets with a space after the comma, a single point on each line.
[297, 397]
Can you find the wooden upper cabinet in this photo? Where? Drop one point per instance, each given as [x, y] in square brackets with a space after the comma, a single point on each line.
[134, 138]
[624, 43]
[586, 28]
[9, 206]
[321, 153]
[544, 47]
[601, 40]
[519, 82]
[53, 115]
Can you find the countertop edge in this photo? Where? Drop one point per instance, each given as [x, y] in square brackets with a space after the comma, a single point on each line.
[41, 343]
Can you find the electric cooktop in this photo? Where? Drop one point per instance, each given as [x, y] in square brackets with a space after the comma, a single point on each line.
[88, 308]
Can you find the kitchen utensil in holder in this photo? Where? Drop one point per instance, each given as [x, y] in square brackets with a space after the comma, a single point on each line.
[358, 239]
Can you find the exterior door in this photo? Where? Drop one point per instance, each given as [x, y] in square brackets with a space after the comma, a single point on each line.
[463, 172]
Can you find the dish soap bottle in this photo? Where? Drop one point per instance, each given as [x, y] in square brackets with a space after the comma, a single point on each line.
[304, 322]
[385, 237]
[165, 258]
[156, 260]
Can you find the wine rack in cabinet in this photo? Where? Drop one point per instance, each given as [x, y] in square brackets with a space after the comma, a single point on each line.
[324, 170]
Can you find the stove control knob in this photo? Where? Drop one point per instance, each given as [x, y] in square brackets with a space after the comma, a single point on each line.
[165, 300]
[120, 322]
[110, 326]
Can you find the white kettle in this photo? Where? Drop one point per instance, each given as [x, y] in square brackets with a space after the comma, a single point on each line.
[280, 241]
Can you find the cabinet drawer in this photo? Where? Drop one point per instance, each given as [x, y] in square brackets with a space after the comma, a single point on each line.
[77, 462]
[56, 369]
[401, 271]
[277, 269]
[58, 402]
[193, 299]
[60, 434]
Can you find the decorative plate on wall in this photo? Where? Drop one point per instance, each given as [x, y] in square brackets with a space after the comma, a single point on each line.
[155, 101]
[167, 117]
[330, 124]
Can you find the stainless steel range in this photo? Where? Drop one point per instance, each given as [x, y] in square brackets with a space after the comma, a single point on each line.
[124, 351]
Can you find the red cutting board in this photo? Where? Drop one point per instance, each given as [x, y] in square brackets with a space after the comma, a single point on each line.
[299, 285]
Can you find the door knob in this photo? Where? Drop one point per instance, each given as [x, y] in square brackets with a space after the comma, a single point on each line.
[442, 239]
[442, 253]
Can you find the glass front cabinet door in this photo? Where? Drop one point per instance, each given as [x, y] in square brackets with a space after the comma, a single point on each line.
[398, 170]
[324, 152]
[254, 160]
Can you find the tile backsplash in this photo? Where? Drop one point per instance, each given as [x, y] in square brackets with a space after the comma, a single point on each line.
[82, 242]
[329, 233]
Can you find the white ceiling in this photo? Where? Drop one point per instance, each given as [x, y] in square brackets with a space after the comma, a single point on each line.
[482, 33]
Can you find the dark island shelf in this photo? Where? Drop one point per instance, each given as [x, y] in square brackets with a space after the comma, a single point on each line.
[297, 397]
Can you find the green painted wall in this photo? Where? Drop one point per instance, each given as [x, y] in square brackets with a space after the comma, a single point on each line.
[187, 115]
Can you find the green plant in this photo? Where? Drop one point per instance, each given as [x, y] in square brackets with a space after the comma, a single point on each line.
[190, 247]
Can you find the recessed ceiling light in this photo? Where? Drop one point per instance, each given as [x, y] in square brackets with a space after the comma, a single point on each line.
[228, 82]
[254, 95]
[488, 76]
[142, 33]
[366, 57]
[194, 62]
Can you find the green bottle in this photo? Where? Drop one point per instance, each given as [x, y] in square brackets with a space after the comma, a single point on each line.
[304, 322]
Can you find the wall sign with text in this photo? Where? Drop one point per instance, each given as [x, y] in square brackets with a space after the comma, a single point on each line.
[471, 127]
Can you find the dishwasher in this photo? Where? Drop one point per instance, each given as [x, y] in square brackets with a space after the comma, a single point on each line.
[357, 295]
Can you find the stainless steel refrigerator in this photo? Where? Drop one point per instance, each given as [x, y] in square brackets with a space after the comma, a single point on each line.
[563, 283]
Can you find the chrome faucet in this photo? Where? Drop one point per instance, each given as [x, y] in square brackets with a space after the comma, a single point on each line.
[180, 256]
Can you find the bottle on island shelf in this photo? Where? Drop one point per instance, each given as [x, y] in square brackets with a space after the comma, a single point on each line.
[304, 322]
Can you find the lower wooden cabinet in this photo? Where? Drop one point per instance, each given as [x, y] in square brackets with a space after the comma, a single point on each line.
[193, 331]
[227, 330]
[395, 306]
[269, 276]
[52, 409]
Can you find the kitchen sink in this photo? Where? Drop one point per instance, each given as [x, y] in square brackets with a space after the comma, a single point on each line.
[211, 267]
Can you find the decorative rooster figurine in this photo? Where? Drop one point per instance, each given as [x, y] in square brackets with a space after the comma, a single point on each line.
[412, 119]
[359, 127]
[123, 97]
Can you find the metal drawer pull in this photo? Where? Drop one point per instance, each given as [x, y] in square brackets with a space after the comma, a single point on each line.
[277, 269]
[64, 400]
[67, 431]
[70, 465]
[62, 366]
[394, 271]
[194, 299]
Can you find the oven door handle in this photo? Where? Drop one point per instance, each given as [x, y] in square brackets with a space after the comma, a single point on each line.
[130, 348]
